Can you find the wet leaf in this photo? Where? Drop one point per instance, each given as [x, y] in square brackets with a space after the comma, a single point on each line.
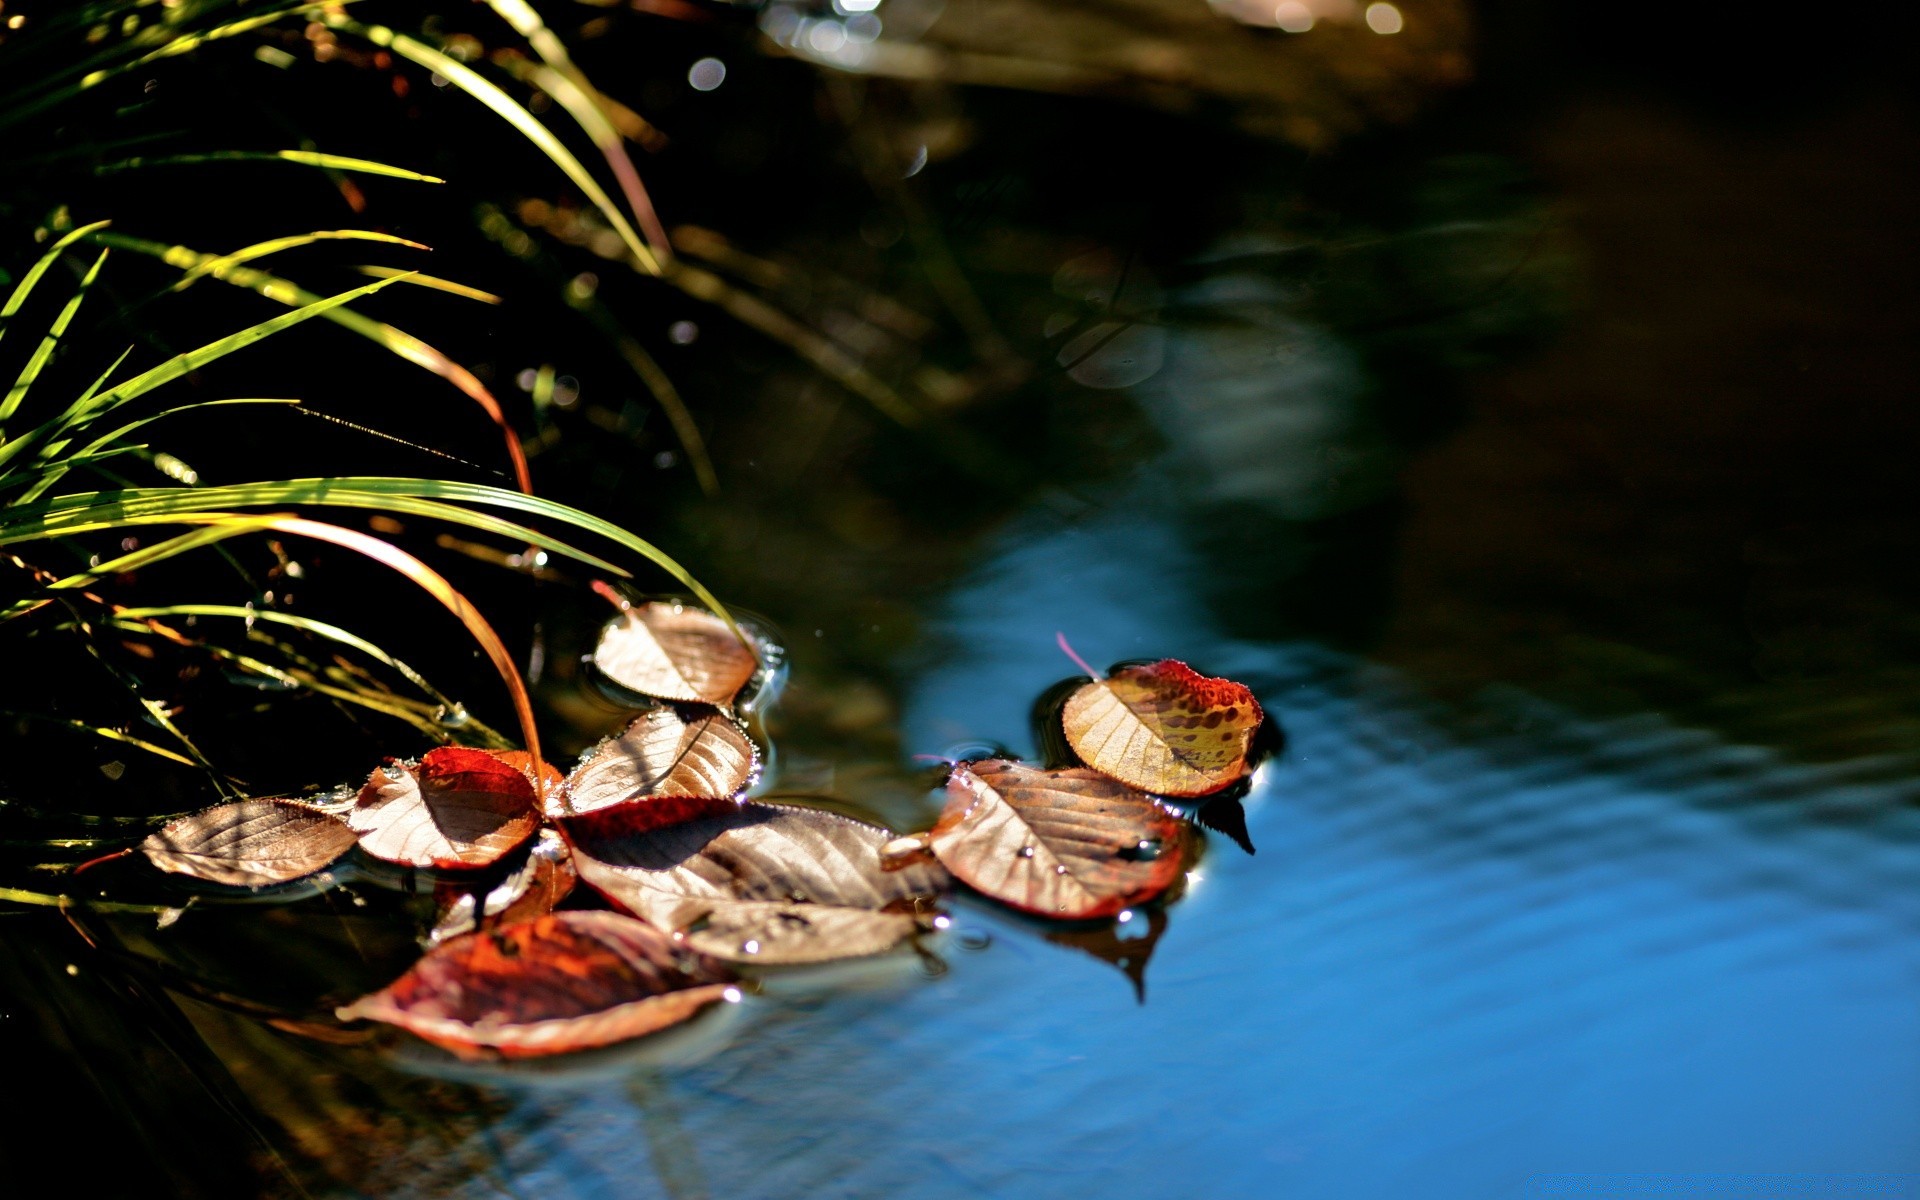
[759, 883]
[563, 982]
[662, 753]
[457, 808]
[1163, 728]
[530, 890]
[522, 762]
[1069, 844]
[673, 652]
[255, 843]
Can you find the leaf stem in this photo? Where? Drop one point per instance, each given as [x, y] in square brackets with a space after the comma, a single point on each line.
[1061, 639]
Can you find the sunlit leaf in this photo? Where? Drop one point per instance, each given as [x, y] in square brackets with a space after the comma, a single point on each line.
[255, 843]
[457, 808]
[529, 890]
[662, 753]
[673, 652]
[559, 983]
[1164, 728]
[1068, 844]
[755, 883]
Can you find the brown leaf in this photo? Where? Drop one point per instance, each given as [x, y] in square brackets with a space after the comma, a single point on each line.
[255, 843]
[661, 754]
[530, 890]
[674, 652]
[457, 808]
[1163, 728]
[1069, 844]
[563, 982]
[759, 883]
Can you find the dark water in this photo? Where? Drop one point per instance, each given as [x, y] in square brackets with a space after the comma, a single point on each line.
[1543, 463]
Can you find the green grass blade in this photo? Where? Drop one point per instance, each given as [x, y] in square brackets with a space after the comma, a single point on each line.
[104, 732]
[44, 351]
[305, 158]
[211, 264]
[510, 110]
[396, 341]
[434, 282]
[188, 502]
[56, 517]
[24, 288]
[320, 629]
[52, 468]
[193, 360]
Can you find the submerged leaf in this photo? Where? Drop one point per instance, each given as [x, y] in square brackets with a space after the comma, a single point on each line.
[673, 652]
[662, 753]
[457, 808]
[1070, 844]
[563, 982]
[255, 843]
[1164, 728]
[530, 890]
[764, 883]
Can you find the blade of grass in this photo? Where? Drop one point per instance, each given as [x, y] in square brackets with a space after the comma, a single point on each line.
[305, 158]
[51, 467]
[41, 353]
[510, 110]
[394, 340]
[103, 731]
[431, 281]
[192, 360]
[216, 527]
[59, 516]
[24, 288]
[212, 264]
[321, 629]
[191, 499]
[83, 411]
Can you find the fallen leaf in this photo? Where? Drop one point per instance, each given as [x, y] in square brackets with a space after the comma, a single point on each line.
[458, 808]
[760, 883]
[521, 761]
[563, 982]
[662, 753]
[1163, 728]
[529, 890]
[1070, 844]
[255, 843]
[673, 652]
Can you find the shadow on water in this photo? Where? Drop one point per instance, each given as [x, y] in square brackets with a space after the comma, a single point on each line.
[1537, 464]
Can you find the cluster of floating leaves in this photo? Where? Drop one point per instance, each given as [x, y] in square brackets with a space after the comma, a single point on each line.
[702, 880]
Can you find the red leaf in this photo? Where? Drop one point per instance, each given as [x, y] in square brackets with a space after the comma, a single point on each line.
[457, 808]
[673, 652]
[531, 890]
[1068, 844]
[521, 761]
[760, 883]
[661, 754]
[563, 982]
[1163, 728]
[255, 843]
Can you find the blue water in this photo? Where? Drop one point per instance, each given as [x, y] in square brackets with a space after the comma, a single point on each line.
[1474, 947]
